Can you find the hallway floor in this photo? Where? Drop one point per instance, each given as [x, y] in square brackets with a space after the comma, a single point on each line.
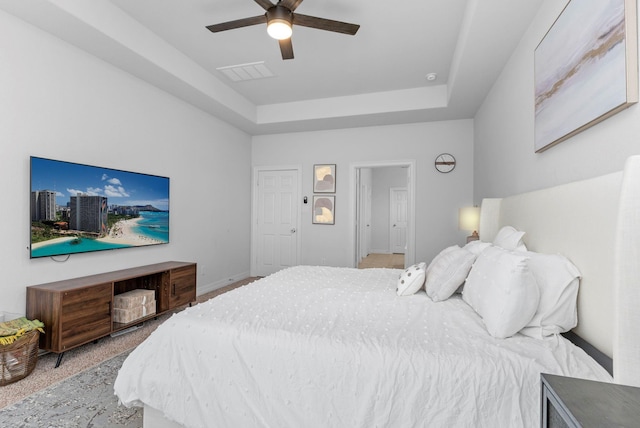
[393, 261]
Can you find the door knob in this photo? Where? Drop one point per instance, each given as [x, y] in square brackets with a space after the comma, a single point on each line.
[293, 230]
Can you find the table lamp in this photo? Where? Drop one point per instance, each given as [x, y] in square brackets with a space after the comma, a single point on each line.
[469, 219]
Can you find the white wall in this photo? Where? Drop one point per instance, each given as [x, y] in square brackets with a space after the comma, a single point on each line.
[438, 195]
[505, 162]
[57, 101]
[383, 180]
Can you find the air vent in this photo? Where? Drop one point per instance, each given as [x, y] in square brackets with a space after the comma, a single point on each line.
[251, 71]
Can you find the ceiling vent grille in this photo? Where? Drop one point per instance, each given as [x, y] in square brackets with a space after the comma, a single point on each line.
[251, 71]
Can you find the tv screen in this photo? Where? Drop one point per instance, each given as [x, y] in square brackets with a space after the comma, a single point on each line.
[78, 208]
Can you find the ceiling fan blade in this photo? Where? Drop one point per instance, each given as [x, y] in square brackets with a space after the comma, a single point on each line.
[286, 48]
[290, 4]
[238, 23]
[265, 4]
[325, 24]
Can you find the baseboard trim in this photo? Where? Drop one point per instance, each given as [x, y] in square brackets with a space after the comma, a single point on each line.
[207, 288]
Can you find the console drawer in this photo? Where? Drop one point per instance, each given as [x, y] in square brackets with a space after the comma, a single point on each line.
[85, 314]
[183, 286]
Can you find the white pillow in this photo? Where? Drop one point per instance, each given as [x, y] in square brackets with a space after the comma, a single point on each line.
[476, 247]
[448, 273]
[440, 255]
[510, 239]
[558, 280]
[411, 279]
[502, 290]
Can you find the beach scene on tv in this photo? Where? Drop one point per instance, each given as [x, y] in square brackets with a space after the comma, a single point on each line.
[77, 208]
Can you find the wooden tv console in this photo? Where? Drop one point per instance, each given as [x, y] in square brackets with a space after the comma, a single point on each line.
[79, 310]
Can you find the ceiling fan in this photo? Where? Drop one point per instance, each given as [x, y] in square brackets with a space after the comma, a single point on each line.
[280, 19]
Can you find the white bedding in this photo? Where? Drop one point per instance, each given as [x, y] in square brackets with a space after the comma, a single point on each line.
[336, 347]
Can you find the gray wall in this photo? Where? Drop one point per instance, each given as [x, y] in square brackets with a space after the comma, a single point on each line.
[61, 103]
[438, 195]
[505, 162]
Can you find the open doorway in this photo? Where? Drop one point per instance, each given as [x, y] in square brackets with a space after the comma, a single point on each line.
[383, 214]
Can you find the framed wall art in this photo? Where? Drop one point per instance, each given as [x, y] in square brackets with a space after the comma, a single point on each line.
[586, 68]
[324, 209]
[324, 178]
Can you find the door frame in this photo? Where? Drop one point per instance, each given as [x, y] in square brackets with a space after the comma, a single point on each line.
[256, 170]
[410, 255]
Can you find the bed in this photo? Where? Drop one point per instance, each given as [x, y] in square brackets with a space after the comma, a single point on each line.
[321, 346]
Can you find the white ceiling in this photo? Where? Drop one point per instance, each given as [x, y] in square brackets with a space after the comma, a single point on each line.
[376, 77]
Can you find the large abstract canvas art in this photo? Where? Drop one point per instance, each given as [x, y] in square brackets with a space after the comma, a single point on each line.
[585, 68]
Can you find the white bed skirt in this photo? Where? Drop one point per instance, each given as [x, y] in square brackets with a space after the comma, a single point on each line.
[155, 419]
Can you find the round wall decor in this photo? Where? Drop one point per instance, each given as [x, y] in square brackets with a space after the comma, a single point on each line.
[445, 163]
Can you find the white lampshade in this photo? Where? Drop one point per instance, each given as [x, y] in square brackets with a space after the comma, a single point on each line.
[469, 218]
[279, 29]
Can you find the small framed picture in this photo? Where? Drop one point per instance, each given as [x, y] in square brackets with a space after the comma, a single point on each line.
[324, 178]
[324, 207]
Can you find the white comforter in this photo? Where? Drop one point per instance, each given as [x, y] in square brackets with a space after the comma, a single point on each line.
[336, 347]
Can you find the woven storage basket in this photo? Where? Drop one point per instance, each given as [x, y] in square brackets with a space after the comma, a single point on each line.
[18, 359]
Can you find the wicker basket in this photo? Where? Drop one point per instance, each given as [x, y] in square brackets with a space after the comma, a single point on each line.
[18, 360]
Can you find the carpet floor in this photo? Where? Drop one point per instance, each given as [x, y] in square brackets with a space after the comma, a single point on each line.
[83, 400]
[79, 393]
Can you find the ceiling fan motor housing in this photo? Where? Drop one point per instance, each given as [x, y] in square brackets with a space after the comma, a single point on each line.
[279, 13]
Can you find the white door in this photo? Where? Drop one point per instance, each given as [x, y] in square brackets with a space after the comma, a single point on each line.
[398, 220]
[277, 221]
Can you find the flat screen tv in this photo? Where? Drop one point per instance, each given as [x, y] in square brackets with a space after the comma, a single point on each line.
[78, 208]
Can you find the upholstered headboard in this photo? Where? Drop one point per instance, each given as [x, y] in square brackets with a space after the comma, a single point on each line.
[596, 224]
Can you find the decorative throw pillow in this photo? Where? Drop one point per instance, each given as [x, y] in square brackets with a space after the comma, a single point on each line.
[510, 239]
[502, 290]
[440, 255]
[411, 279]
[558, 280]
[448, 273]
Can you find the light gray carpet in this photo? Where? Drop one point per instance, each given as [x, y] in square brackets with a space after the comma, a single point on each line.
[85, 400]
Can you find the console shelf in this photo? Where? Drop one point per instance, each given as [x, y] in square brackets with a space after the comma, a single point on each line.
[79, 310]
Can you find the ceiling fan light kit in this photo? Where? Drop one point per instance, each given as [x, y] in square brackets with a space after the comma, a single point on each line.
[280, 18]
[279, 23]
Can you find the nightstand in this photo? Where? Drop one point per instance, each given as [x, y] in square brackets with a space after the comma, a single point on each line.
[571, 402]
